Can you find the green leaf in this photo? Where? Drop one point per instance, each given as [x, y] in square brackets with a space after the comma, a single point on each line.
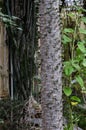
[81, 46]
[67, 91]
[75, 98]
[20, 29]
[83, 19]
[71, 15]
[68, 68]
[80, 81]
[79, 9]
[66, 39]
[83, 31]
[76, 66]
[69, 127]
[68, 30]
[6, 19]
[84, 62]
[15, 18]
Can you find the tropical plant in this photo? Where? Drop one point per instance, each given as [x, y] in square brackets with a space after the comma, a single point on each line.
[74, 65]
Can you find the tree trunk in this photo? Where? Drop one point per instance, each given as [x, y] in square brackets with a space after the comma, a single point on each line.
[4, 75]
[51, 68]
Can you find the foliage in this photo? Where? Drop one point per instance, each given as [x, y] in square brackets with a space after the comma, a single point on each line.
[23, 46]
[74, 66]
[9, 20]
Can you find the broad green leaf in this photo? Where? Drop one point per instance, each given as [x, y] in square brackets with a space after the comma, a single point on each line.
[75, 98]
[84, 62]
[83, 19]
[67, 91]
[81, 47]
[66, 39]
[78, 52]
[79, 56]
[80, 81]
[68, 70]
[68, 30]
[83, 31]
[76, 66]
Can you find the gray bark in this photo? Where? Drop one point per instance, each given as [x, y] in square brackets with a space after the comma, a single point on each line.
[51, 66]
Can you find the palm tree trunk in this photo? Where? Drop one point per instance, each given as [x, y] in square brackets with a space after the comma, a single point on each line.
[51, 66]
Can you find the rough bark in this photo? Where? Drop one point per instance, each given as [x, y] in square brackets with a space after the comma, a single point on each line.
[4, 74]
[51, 66]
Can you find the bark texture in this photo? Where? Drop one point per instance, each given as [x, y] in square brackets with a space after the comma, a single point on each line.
[51, 71]
[4, 74]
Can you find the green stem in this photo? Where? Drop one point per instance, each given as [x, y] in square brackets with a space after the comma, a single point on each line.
[70, 116]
